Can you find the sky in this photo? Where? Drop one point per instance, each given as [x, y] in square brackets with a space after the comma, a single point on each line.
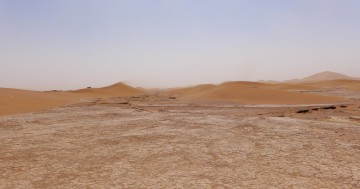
[71, 44]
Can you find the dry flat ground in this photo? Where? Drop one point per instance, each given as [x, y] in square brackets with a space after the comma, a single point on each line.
[152, 141]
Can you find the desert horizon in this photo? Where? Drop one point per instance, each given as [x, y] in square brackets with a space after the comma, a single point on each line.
[320, 76]
[243, 92]
[179, 94]
[198, 136]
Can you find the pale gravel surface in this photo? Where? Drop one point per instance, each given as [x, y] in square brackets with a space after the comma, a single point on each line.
[106, 144]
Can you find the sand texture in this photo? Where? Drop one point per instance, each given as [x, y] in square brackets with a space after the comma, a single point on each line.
[152, 141]
[231, 135]
[254, 93]
[19, 101]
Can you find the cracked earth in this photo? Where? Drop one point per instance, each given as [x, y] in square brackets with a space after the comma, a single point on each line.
[155, 142]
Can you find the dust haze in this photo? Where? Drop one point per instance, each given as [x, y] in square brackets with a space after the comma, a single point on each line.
[179, 94]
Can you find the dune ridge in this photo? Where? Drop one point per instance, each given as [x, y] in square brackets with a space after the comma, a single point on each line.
[14, 101]
[252, 93]
[326, 76]
[117, 89]
[323, 76]
[20, 101]
[352, 85]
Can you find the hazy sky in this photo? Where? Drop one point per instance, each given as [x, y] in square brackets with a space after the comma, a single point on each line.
[69, 44]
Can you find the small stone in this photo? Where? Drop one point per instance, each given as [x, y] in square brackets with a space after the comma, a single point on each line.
[329, 107]
[303, 111]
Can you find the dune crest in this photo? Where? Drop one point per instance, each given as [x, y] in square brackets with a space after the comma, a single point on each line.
[323, 76]
[21, 101]
[252, 93]
[244, 92]
[326, 76]
[117, 89]
[351, 85]
[14, 101]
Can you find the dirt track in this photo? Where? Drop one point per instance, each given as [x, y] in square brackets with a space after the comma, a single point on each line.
[154, 142]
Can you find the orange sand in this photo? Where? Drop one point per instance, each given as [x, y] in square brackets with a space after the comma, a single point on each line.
[14, 101]
[19, 101]
[253, 93]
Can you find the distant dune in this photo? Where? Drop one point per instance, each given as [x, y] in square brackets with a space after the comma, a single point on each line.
[323, 80]
[294, 86]
[326, 76]
[118, 89]
[351, 85]
[196, 90]
[20, 101]
[253, 93]
[323, 76]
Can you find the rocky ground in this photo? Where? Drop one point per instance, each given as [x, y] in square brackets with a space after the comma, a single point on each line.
[154, 141]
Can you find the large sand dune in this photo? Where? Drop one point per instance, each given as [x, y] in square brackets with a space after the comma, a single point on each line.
[323, 76]
[118, 89]
[352, 85]
[19, 101]
[153, 141]
[326, 76]
[347, 84]
[252, 93]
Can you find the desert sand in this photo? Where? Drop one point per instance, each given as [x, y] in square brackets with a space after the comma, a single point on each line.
[231, 135]
[351, 85]
[253, 93]
[20, 101]
[118, 89]
[323, 76]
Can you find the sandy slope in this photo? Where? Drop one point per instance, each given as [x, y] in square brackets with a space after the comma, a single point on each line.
[118, 89]
[347, 84]
[293, 86]
[352, 85]
[323, 76]
[252, 93]
[19, 101]
[326, 76]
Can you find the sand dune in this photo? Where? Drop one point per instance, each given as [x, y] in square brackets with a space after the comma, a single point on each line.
[293, 86]
[193, 90]
[352, 85]
[252, 93]
[20, 101]
[323, 80]
[118, 89]
[326, 76]
[346, 84]
[323, 76]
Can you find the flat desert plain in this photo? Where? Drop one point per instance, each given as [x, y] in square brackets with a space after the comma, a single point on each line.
[232, 135]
